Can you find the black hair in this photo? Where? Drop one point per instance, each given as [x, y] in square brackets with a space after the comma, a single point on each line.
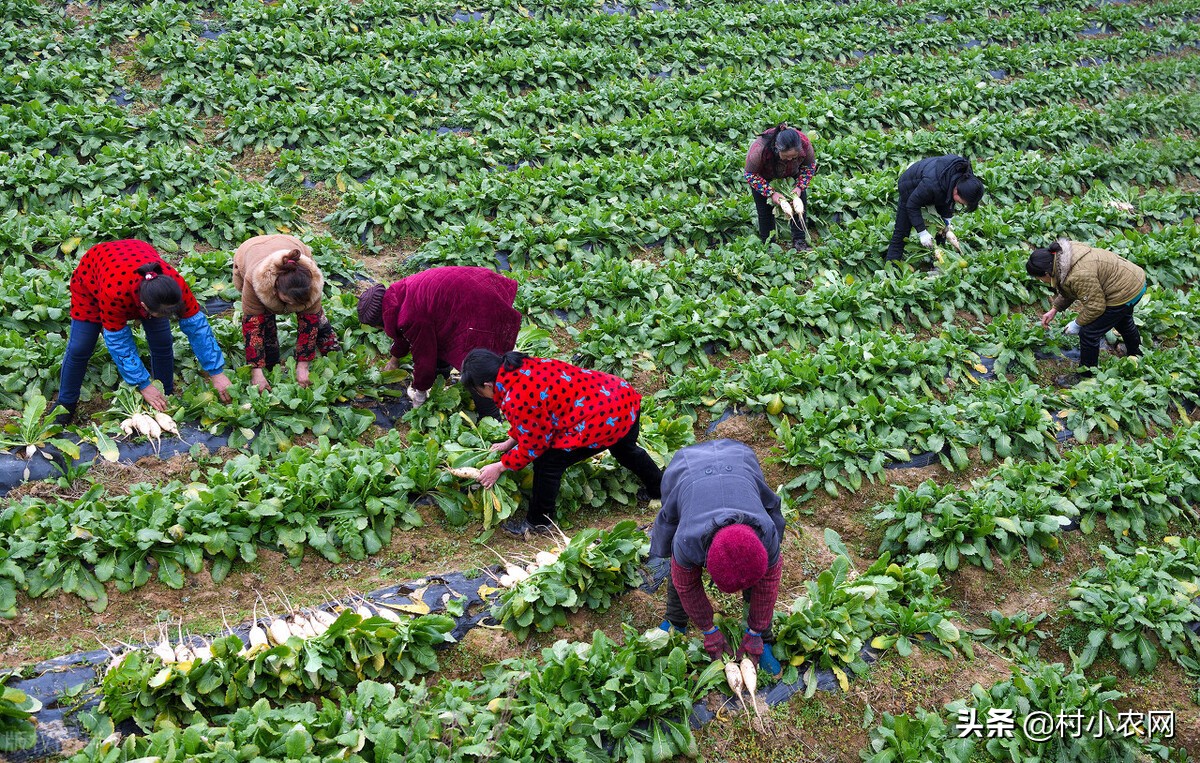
[1041, 261]
[970, 189]
[482, 366]
[161, 295]
[293, 281]
[779, 139]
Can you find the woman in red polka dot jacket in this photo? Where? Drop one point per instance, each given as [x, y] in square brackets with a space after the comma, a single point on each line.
[558, 415]
[121, 281]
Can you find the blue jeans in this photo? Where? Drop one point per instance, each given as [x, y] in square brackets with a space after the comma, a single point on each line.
[81, 343]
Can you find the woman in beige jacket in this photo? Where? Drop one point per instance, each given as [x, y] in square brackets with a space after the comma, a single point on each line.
[1102, 285]
[277, 275]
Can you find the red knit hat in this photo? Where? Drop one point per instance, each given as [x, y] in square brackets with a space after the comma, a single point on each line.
[737, 559]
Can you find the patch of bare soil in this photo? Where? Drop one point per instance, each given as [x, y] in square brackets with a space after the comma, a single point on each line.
[254, 165]
[62, 624]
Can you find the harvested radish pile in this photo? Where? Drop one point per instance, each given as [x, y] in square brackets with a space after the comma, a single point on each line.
[293, 656]
[588, 572]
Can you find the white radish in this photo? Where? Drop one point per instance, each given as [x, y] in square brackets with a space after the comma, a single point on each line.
[143, 424]
[786, 207]
[797, 206]
[166, 423]
[750, 681]
[163, 651]
[202, 653]
[388, 614]
[364, 612]
[258, 637]
[506, 581]
[733, 677]
[127, 427]
[545, 558]
[300, 627]
[278, 631]
[516, 572]
[531, 568]
[466, 472]
[30, 451]
[322, 617]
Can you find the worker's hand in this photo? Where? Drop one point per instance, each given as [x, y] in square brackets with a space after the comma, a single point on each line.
[716, 645]
[221, 384]
[393, 364]
[417, 396]
[1072, 328]
[752, 646]
[302, 373]
[259, 379]
[953, 239]
[1048, 316]
[504, 447]
[778, 199]
[490, 473]
[926, 239]
[155, 398]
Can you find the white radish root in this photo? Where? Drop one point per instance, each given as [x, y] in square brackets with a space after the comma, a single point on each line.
[166, 423]
[465, 472]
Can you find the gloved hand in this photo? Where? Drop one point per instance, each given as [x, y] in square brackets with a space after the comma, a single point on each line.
[752, 646]
[953, 240]
[417, 396]
[715, 644]
[768, 662]
[926, 239]
[1072, 328]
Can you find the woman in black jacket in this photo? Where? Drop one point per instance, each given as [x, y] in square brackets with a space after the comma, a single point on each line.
[942, 181]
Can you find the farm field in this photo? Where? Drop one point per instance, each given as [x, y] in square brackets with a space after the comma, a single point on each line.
[993, 543]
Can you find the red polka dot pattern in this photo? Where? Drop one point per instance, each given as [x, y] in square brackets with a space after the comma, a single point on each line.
[551, 404]
[104, 287]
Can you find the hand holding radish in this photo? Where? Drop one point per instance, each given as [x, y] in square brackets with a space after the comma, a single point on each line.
[490, 473]
[504, 447]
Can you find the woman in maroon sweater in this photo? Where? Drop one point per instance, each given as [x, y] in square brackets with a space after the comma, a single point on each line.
[440, 315]
[781, 152]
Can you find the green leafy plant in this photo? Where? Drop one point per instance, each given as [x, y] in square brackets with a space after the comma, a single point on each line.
[1016, 634]
[589, 571]
[229, 675]
[33, 432]
[17, 725]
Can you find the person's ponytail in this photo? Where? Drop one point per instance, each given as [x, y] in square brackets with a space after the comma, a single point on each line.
[159, 293]
[294, 282]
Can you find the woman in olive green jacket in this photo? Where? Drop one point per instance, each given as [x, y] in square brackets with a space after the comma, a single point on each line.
[1104, 286]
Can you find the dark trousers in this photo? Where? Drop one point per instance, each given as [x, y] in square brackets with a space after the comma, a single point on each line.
[678, 617]
[548, 471]
[1120, 318]
[81, 343]
[904, 223]
[766, 217]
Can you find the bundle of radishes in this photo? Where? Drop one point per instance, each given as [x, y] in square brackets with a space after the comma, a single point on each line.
[139, 420]
[744, 677]
[517, 569]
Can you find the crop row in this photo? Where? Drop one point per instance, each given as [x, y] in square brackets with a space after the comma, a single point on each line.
[735, 101]
[432, 156]
[559, 66]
